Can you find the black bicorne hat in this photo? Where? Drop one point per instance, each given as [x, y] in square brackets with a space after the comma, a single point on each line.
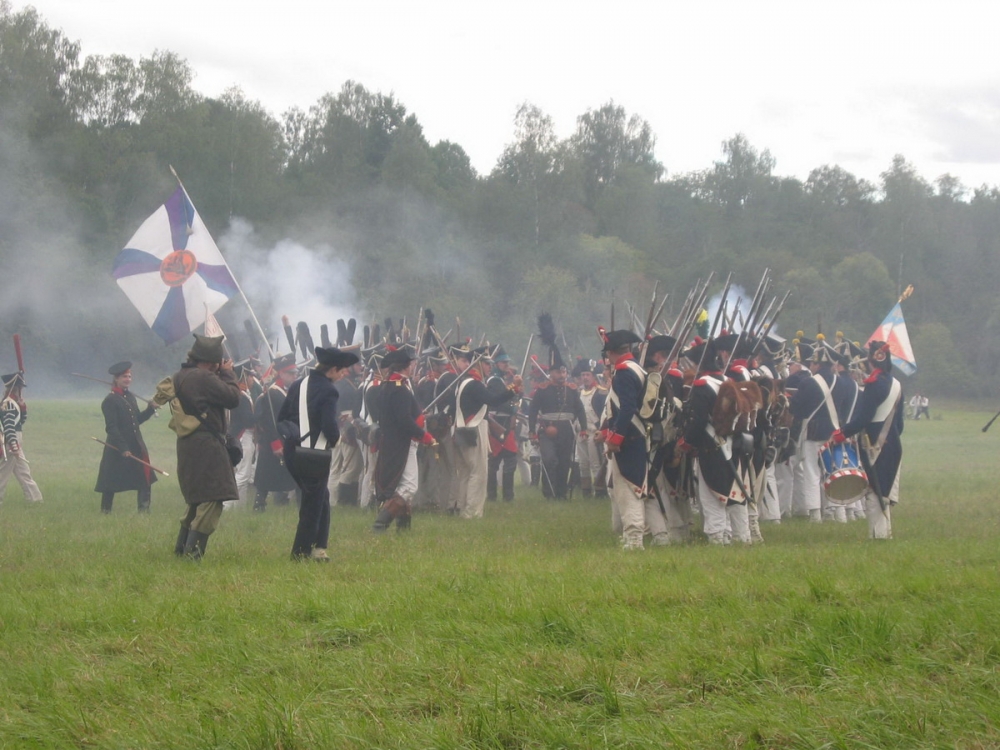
[397, 357]
[284, 362]
[336, 357]
[660, 344]
[621, 338]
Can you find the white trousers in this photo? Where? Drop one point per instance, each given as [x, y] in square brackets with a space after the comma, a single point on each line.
[471, 468]
[769, 505]
[879, 521]
[347, 464]
[808, 479]
[785, 480]
[678, 511]
[367, 491]
[16, 465]
[244, 470]
[722, 522]
[588, 455]
[408, 483]
[631, 508]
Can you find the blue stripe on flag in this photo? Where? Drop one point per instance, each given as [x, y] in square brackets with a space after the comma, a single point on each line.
[218, 279]
[131, 261]
[171, 322]
[180, 212]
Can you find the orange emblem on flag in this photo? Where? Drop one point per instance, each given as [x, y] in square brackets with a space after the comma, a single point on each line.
[178, 267]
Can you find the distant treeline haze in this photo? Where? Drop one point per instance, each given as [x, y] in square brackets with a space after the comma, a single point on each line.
[85, 145]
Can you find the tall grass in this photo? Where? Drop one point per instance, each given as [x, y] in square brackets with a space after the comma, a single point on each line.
[528, 628]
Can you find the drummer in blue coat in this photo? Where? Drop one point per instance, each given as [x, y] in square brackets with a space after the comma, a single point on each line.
[878, 418]
[823, 402]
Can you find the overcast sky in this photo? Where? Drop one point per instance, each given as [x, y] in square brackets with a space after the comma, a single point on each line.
[848, 83]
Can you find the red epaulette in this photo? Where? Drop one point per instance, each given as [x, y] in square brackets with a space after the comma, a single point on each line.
[673, 372]
[699, 381]
[623, 365]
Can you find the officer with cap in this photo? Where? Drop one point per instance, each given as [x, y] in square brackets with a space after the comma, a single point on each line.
[119, 471]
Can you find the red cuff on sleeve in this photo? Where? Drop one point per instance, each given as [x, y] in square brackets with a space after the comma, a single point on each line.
[614, 438]
[427, 439]
[277, 445]
[421, 421]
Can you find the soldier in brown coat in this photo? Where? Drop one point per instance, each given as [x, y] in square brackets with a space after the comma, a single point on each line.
[205, 386]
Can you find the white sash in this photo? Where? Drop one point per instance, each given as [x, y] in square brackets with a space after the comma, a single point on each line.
[304, 417]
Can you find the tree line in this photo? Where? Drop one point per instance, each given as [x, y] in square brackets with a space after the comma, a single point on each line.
[557, 225]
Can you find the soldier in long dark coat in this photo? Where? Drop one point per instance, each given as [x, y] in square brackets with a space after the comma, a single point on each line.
[120, 472]
[205, 386]
[271, 475]
[401, 428]
[878, 418]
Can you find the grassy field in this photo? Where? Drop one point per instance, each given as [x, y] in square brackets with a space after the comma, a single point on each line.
[528, 628]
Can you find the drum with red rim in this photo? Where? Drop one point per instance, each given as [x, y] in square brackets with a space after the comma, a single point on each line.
[844, 478]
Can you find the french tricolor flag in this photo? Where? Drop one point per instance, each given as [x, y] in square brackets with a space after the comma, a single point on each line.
[893, 332]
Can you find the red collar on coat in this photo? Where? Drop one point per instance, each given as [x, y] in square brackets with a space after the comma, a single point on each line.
[620, 362]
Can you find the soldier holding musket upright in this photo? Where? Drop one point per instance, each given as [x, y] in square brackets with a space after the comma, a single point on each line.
[470, 431]
[624, 437]
[271, 475]
[720, 494]
[503, 427]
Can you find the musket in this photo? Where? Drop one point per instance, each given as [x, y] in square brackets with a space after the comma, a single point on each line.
[753, 317]
[697, 302]
[445, 349]
[766, 328]
[636, 322]
[612, 309]
[133, 457]
[19, 353]
[452, 384]
[108, 382]
[535, 363]
[652, 308]
[754, 311]
[682, 315]
[656, 316]
[715, 323]
[990, 423]
[527, 354]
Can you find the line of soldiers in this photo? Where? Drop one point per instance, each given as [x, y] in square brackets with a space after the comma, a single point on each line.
[733, 425]
[745, 430]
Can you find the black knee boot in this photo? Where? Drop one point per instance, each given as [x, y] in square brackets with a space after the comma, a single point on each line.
[181, 539]
[107, 498]
[347, 494]
[143, 498]
[195, 545]
[260, 501]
